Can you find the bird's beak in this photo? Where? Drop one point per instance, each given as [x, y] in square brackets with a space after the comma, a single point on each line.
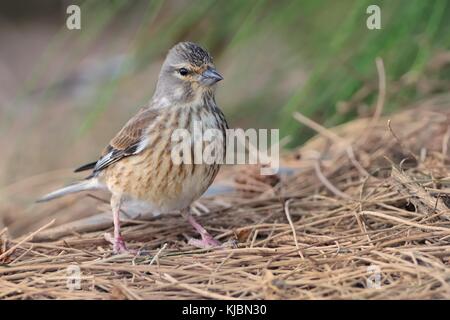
[210, 76]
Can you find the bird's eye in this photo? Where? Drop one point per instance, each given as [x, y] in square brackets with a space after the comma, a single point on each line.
[183, 71]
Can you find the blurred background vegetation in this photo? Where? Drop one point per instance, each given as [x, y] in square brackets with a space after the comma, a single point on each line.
[64, 93]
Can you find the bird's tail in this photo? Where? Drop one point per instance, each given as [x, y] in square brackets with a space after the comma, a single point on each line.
[90, 184]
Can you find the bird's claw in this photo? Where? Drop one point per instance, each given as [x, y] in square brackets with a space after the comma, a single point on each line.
[208, 242]
[119, 245]
[204, 244]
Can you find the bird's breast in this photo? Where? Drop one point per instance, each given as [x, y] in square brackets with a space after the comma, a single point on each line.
[154, 177]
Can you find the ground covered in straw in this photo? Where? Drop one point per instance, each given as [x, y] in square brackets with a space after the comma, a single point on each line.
[359, 212]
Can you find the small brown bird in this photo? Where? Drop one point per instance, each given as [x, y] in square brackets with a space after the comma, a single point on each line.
[137, 163]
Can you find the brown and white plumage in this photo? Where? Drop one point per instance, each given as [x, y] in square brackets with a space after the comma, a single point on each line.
[137, 162]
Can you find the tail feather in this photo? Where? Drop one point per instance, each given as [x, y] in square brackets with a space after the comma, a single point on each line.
[84, 185]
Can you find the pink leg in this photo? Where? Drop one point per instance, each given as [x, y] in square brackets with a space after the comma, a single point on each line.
[117, 240]
[207, 240]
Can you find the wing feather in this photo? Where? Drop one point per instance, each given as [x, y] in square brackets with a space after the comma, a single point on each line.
[129, 140]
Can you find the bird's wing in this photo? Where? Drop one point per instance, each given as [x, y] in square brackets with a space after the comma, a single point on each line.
[129, 141]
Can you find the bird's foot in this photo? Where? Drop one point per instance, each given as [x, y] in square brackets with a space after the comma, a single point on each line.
[119, 245]
[206, 242]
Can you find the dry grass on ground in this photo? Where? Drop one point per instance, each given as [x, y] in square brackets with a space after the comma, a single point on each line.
[373, 195]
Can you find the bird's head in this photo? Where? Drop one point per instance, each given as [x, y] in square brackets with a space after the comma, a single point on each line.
[187, 73]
